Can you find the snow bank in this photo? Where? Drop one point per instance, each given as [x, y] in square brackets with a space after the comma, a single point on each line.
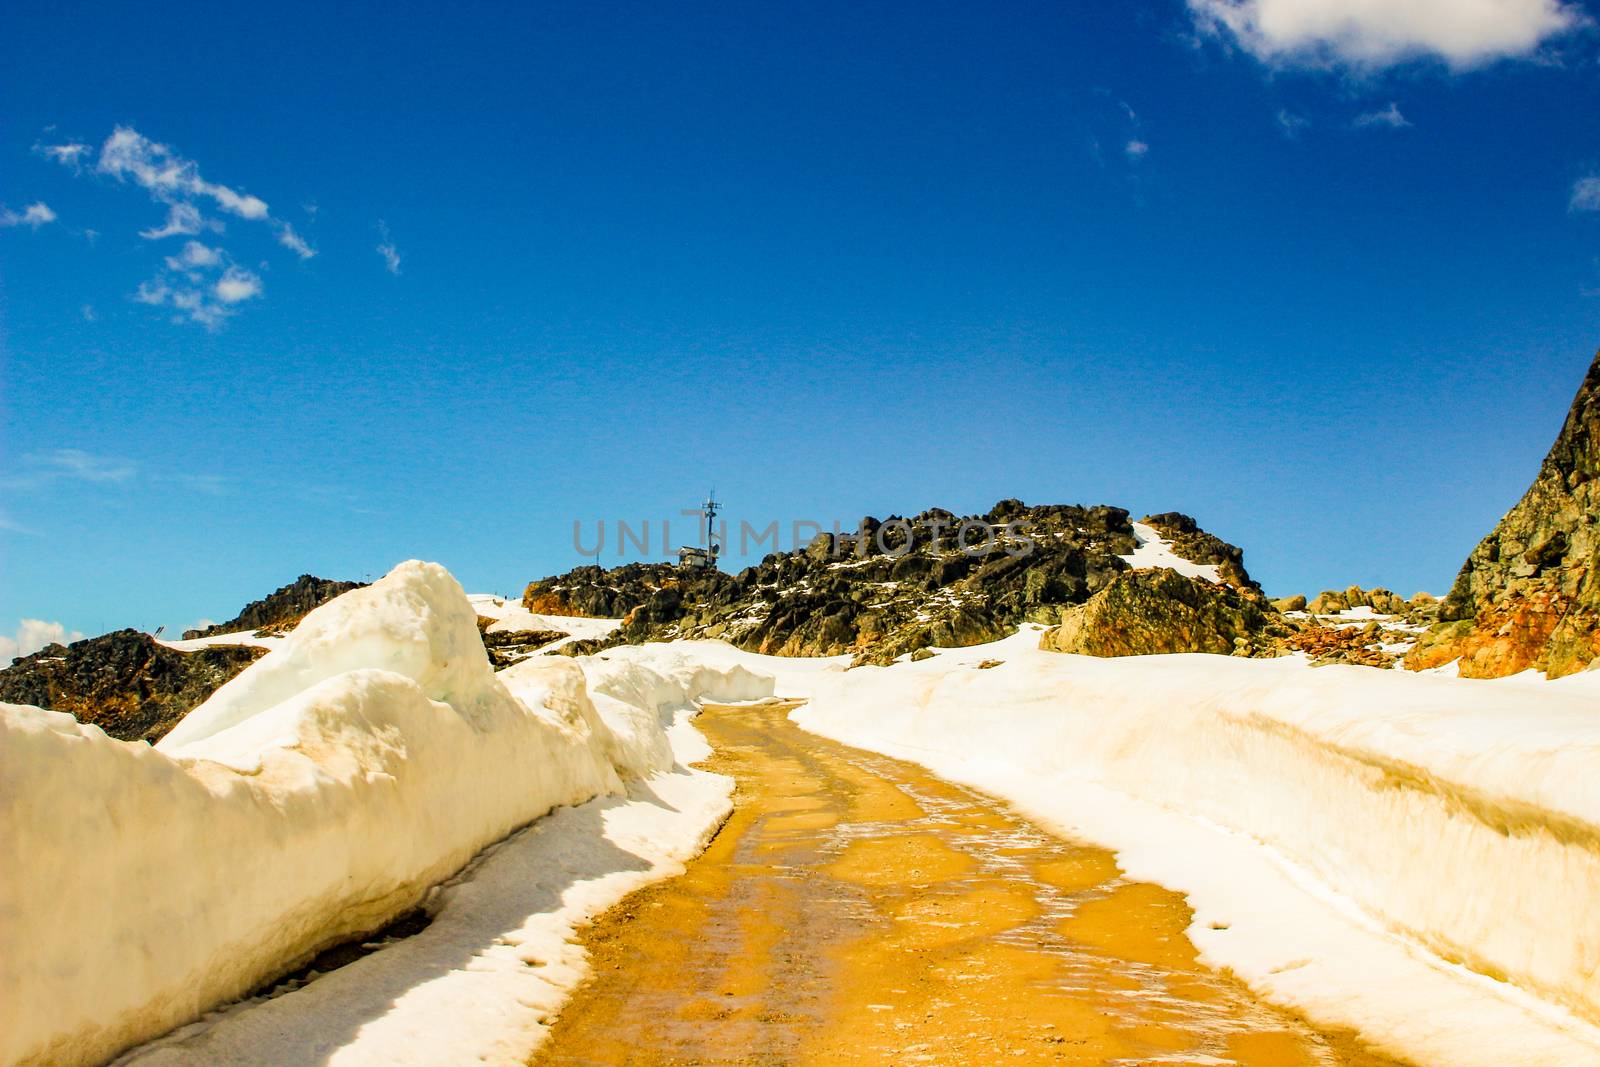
[510, 615]
[313, 798]
[239, 637]
[1417, 857]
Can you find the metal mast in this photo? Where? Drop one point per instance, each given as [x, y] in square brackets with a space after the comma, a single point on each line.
[710, 508]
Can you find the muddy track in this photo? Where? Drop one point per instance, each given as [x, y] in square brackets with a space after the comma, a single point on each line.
[856, 909]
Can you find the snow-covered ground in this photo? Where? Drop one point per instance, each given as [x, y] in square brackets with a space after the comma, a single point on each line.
[1156, 551]
[1368, 847]
[1413, 856]
[511, 615]
[242, 637]
[324, 791]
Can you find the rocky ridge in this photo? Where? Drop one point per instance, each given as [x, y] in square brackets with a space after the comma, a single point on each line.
[901, 584]
[280, 610]
[125, 682]
[1528, 597]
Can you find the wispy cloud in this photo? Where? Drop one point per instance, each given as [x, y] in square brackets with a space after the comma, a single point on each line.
[293, 241]
[1384, 118]
[33, 216]
[1586, 194]
[1114, 122]
[68, 464]
[194, 255]
[1375, 33]
[71, 154]
[387, 249]
[1291, 124]
[208, 303]
[182, 220]
[170, 178]
[202, 283]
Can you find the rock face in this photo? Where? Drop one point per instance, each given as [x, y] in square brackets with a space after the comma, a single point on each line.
[1156, 611]
[888, 588]
[124, 682]
[279, 611]
[1529, 594]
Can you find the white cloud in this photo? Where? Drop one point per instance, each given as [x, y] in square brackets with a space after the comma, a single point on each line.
[32, 636]
[293, 241]
[1389, 116]
[33, 216]
[89, 313]
[1586, 194]
[1136, 149]
[181, 219]
[195, 255]
[183, 286]
[1377, 33]
[176, 182]
[169, 177]
[236, 285]
[70, 154]
[1291, 124]
[387, 249]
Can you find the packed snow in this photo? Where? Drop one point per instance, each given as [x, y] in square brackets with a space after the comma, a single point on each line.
[1153, 550]
[241, 637]
[327, 789]
[508, 615]
[1412, 856]
[1367, 847]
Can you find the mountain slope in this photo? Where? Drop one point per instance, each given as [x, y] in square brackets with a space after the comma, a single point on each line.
[1529, 595]
[125, 682]
[280, 608]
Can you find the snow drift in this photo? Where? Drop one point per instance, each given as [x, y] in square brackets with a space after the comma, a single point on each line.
[315, 797]
[1417, 857]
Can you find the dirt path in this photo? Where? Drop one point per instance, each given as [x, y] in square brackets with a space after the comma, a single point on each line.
[856, 909]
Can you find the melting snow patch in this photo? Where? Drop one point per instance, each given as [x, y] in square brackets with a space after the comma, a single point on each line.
[1155, 551]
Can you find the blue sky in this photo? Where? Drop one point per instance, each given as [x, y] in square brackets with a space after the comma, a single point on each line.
[445, 279]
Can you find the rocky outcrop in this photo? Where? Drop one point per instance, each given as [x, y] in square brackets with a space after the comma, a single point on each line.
[279, 611]
[1528, 596]
[506, 647]
[1156, 611]
[1361, 646]
[1197, 546]
[126, 683]
[888, 588]
[1382, 601]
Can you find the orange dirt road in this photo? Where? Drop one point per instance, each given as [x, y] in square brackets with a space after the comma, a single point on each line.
[856, 909]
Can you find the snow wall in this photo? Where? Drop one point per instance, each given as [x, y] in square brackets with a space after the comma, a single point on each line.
[312, 799]
[1416, 856]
